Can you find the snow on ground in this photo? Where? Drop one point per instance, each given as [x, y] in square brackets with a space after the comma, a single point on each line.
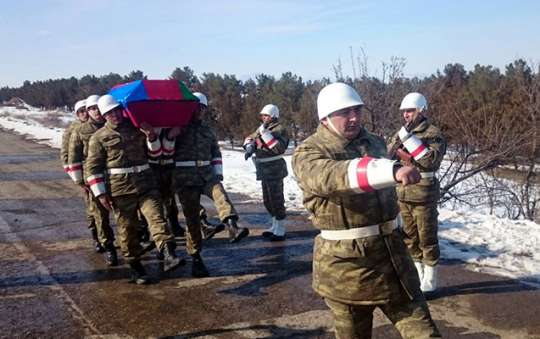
[495, 245]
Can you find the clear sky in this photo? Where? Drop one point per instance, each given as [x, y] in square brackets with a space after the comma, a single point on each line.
[52, 39]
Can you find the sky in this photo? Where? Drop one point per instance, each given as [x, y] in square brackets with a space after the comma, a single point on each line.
[487, 243]
[52, 39]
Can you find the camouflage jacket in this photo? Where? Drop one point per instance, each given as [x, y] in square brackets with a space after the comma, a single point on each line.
[268, 159]
[427, 190]
[197, 156]
[78, 148]
[363, 270]
[117, 162]
[64, 149]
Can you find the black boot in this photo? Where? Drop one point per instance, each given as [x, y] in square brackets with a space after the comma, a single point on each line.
[111, 258]
[177, 230]
[170, 260]
[236, 233]
[209, 230]
[138, 273]
[97, 246]
[198, 269]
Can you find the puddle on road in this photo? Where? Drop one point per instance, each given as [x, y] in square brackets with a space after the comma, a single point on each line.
[226, 280]
[25, 158]
[32, 176]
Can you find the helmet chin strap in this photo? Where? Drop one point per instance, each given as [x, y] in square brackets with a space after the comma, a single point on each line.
[332, 126]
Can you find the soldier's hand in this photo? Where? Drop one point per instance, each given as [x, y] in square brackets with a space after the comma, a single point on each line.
[174, 132]
[84, 188]
[404, 156]
[407, 175]
[147, 129]
[106, 201]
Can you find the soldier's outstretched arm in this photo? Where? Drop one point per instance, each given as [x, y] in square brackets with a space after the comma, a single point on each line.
[328, 177]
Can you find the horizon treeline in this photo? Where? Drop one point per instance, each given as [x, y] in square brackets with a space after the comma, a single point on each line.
[482, 99]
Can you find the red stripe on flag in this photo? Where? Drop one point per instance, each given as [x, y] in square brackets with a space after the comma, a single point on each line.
[418, 150]
[361, 174]
[162, 89]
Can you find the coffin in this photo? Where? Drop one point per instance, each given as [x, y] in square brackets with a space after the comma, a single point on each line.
[161, 103]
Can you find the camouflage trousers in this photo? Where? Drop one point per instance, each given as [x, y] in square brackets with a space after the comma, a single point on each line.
[167, 191]
[125, 212]
[215, 191]
[420, 229]
[273, 198]
[190, 198]
[411, 318]
[98, 220]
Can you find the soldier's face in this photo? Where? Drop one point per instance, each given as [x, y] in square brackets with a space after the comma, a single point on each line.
[82, 114]
[116, 116]
[346, 122]
[266, 119]
[410, 114]
[95, 114]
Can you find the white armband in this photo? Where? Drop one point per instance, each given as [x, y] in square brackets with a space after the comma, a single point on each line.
[369, 174]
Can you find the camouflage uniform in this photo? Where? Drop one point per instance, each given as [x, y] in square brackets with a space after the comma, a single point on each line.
[78, 153]
[162, 164]
[357, 275]
[117, 165]
[418, 203]
[199, 171]
[64, 155]
[271, 167]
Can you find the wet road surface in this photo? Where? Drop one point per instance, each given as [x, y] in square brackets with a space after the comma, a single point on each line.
[52, 284]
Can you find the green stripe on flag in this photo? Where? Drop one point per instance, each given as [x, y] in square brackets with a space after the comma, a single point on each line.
[186, 94]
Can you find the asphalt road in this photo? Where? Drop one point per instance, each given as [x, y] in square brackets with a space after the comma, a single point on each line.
[52, 284]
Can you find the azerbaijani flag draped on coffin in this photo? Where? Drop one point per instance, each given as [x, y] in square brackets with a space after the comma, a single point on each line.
[161, 103]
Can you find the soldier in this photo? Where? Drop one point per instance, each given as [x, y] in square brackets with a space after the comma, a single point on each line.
[120, 177]
[359, 259]
[199, 171]
[269, 142]
[71, 169]
[162, 163]
[421, 145]
[81, 116]
[78, 152]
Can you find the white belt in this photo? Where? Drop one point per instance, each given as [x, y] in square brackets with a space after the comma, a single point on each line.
[277, 157]
[127, 170]
[197, 163]
[360, 232]
[161, 161]
[427, 174]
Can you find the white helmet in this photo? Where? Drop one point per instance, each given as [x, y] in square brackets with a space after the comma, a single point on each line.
[107, 103]
[336, 96]
[92, 100]
[414, 100]
[80, 104]
[271, 110]
[202, 98]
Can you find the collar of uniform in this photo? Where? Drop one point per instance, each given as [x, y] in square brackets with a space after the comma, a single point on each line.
[95, 123]
[338, 140]
[422, 126]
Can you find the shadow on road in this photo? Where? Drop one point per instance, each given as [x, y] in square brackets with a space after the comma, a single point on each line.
[270, 331]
